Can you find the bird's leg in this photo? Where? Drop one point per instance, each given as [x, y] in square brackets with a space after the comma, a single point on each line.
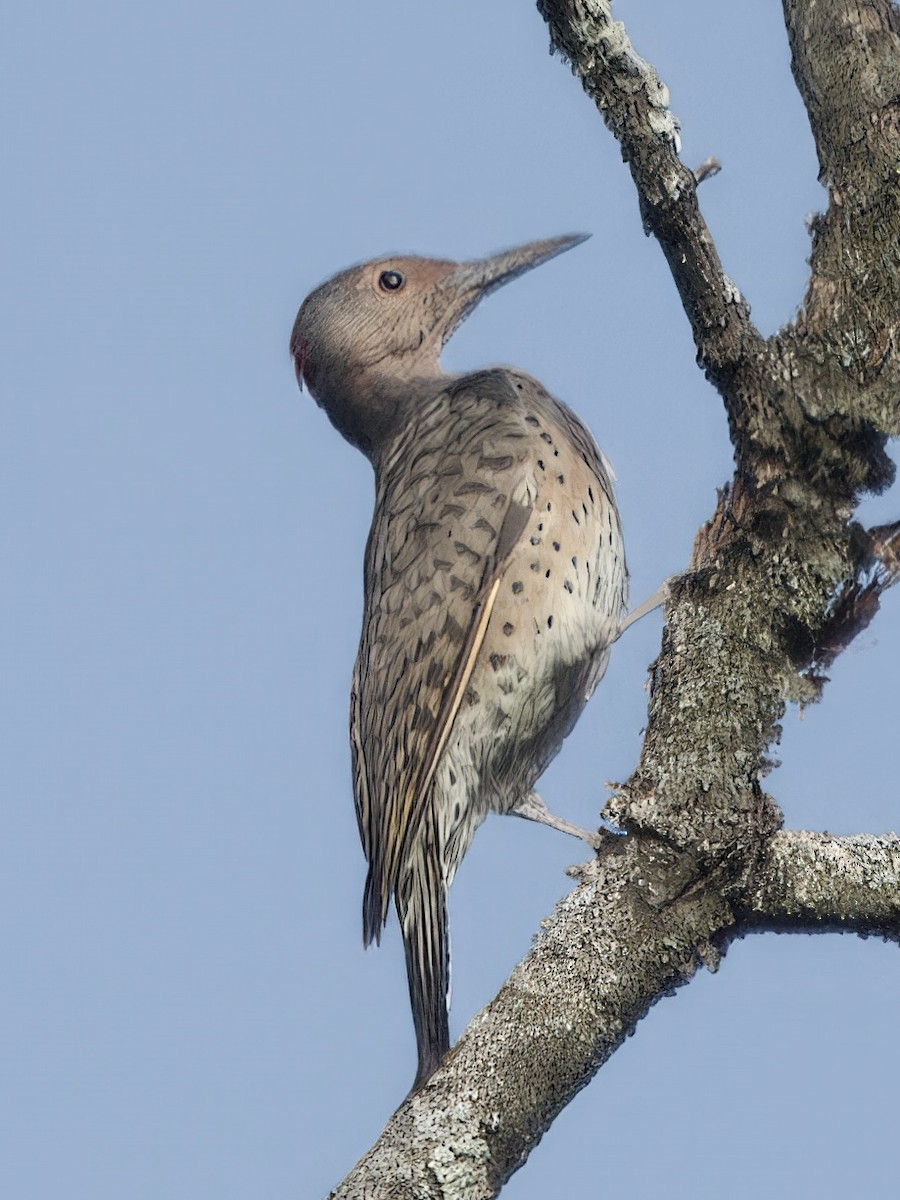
[533, 808]
[659, 597]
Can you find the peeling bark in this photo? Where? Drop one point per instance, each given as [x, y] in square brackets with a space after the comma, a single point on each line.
[780, 580]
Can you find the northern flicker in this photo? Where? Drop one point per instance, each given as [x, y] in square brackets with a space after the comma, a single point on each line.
[495, 583]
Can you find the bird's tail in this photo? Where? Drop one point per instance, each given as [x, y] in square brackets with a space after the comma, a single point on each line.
[422, 908]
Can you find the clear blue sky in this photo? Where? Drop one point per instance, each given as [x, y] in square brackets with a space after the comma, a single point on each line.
[185, 1006]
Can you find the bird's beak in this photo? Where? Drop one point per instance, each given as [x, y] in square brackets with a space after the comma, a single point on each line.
[469, 282]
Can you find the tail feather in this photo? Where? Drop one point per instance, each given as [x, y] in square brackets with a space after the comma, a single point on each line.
[422, 908]
[373, 909]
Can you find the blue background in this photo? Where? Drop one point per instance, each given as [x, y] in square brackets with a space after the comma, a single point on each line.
[185, 1006]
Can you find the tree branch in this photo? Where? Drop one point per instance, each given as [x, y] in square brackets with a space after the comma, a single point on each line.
[613, 947]
[814, 882]
[609, 951]
[634, 103]
[844, 59]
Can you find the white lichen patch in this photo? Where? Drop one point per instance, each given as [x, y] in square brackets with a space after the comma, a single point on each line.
[732, 291]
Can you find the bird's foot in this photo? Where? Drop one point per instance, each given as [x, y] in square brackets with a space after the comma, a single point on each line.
[659, 597]
[533, 808]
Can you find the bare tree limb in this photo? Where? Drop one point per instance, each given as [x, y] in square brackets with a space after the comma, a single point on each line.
[608, 952]
[844, 343]
[612, 948]
[816, 882]
[844, 62]
[634, 103]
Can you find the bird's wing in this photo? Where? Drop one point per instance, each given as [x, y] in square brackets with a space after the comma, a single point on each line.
[452, 504]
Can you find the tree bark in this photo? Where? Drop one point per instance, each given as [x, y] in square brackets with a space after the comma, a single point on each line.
[816, 883]
[780, 580]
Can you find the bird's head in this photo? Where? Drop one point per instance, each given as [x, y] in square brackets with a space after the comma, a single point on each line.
[368, 341]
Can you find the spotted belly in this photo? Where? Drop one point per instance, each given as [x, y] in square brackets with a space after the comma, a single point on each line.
[558, 605]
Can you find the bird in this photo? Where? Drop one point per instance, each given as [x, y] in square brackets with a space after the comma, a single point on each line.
[494, 584]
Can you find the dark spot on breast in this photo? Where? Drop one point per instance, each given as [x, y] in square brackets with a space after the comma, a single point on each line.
[535, 540]
[547, 573]
[575, 515]
[540, 527]
[548, 506]
[535, 566]
[556, 454]
[540, 463]
[591, 494]
[508, 628]
[556, 545]
[451, 774]
[550, 622]
[517, 587]
[529, 420]
[584, 509]
[567, 586]
[575, 562]
[497, 661]
[545, 437]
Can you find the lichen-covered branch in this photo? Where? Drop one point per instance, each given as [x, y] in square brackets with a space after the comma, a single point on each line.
[617, 944]
[609, 951]
[844, 58]
[634, 103]
[815, 882]
[844, 344]
[780, 580]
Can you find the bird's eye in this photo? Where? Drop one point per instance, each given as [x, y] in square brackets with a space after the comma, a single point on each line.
[390, 281]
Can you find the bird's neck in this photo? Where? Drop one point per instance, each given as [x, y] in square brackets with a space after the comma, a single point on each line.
[369, 407]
